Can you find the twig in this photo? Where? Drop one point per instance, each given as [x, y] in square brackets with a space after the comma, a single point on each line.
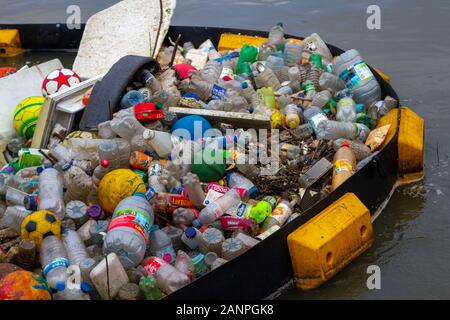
[174, 53]
[161, 17]
[48, 156]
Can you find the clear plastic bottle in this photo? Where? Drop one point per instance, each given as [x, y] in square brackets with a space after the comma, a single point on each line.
[292, 118]
[191, 238]
[184, 264]
[321, 99]
[174, 234]
[100, 171]
[332, 130]
[71, 294]
[168, 278]
[160, 141]
[211, 72]
[184, 216]
[54, 261]
[314, 115]
[218, 208]
[194, 189]
[15, 197]
[125, 125]
[314, 44]
[331, 82]
[276, 64]
[161, 246]
[131, 214]
[266, 78]
[124, 152]
[51, 192]
[360, 150]
[219, 105]
[75, 248]
[231, 248]
[310, 90]
[149, 80]
[279, 215]
[357, 76]
[236, 180]
[247, 91]
[13, 217]
[346, 110]
[105, 131]
[265, 50]
[77, 183]
[238, 103]
[293, 53]
[276, 35]
[109, 150]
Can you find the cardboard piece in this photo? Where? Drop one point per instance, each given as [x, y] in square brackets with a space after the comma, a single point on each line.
[128, 28]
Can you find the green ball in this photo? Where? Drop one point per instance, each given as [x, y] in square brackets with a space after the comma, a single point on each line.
[209, 165]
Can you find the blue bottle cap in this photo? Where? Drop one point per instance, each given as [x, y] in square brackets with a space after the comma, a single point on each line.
[32, 202]
[85, 287]
[190, 232]
[191, 95]
[40, 169]
[244, 85]
[60, 286]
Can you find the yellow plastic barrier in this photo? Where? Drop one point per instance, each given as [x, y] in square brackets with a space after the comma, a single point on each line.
[411, 143]
[10, 43]
[229, 41]
[383, 75]
[327, 243]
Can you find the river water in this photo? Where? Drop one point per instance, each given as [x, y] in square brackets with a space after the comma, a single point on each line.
[412, 236]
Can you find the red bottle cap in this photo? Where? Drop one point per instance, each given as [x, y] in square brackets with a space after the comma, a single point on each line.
[345, 144]
[104, 163]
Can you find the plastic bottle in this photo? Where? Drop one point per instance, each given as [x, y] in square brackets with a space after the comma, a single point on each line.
[129, 230]
[211, 241]
[293, 53]
[150, 288]
[30, 172]
[124, 152]
[231, 248]
[184, 264]
[331, 82]
[149, 80]
[321, 99]
[191, 238]
[292, 118]
[238, 103]
[13, 217]
[54, 261]
[276, 64]
[263, 208]
[174, 234]
[247, 56]
[51, 192]
[236, 180]
[105, 131]
[125, 125]
[276, 36]
[184, 216]
[314, 44]
[168, 278]
[360, 150]
[131, 98]
[77, 183]
[332, 130]
[314, 115]
[161, 246]
[194, 189]
[77, 211]
[279, 215]
[160, 141]
[15, 197]
[109, 150]
[346, 110]
[247, 91]
[76, 251]
[357, 76]
[100, 171]
[309, 88]
[216, 209]
[70, 294]
[344, 165]
[265, 77]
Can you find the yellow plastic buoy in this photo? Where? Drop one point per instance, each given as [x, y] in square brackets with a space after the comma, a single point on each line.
[10, 45]
[327, 243]
[116, 186]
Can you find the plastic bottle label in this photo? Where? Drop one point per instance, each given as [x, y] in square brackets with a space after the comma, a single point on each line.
[60, 262]
[227, 72]
[356, 74]
[281, 213]
[316, 119]
[153, 264]
[243, 210]
[155, 169]
[134, 219]
[211, 197]
[218, 93]
[342, 166]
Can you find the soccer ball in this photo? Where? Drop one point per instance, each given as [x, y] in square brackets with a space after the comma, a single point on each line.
[26, 116]
[39, 225]
[58, 80]
[24, 285]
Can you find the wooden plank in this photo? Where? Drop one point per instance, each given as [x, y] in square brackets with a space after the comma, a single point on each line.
[237, 119]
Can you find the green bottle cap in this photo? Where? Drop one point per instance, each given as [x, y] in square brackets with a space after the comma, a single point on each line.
[159, 106]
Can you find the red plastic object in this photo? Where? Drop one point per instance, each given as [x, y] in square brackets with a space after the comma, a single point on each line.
[183, 70]
[7, 71]
[86, 98]
[146, 112]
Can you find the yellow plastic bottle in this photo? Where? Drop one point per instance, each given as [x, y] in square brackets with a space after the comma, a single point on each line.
[292, 118]
[344, 165]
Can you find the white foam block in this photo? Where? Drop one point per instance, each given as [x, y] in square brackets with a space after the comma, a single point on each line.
[127, 28]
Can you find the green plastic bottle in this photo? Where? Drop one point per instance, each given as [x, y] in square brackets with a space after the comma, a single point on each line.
[149, 288]
[248, 55]
[263, 209]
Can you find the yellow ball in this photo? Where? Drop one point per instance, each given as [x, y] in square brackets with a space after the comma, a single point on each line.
[116, 186]
[26, 116]
[39, 225]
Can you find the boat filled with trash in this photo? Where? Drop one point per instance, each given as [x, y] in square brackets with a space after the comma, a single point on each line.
[208, 153]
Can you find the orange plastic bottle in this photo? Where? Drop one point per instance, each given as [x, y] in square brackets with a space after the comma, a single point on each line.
[344, 165]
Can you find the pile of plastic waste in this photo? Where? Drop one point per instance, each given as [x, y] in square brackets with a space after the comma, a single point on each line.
[136, 210]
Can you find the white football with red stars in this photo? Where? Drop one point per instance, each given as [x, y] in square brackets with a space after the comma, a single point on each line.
[58, 80]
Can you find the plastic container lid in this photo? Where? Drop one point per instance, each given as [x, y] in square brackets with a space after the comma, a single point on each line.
[60, 286]
[104, 163]
[244, 85]
[95, 211]
[39, 169]
[167, 257]
[85, 287]
[190, 232]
